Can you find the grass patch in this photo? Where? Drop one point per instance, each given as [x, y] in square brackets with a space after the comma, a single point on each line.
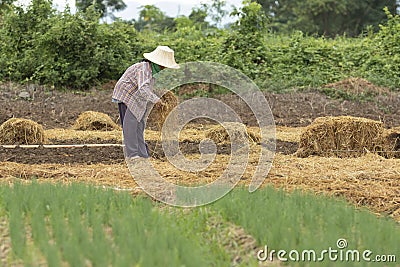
[300, 221]
[81, 225]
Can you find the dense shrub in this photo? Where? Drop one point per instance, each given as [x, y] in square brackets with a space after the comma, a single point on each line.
[64, 49]
[118, 48]
[383, 62]
[18, 39]
[244, 48]
[68, 51]
[303, 61]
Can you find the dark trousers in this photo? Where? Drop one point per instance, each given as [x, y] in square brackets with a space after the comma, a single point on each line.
[133, 133]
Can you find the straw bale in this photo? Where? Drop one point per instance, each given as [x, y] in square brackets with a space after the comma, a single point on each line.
[161, 110]
[18, 131]
[95, 121]
[343, 136]
[391, 143]
[240, 133]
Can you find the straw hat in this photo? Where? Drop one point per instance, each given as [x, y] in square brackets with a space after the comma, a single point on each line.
[163, 56]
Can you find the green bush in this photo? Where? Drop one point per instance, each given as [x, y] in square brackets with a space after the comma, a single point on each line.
[68, 51]
[243, 48]
[382, 65]
[18, 39]
[119, 48]
[304, 61]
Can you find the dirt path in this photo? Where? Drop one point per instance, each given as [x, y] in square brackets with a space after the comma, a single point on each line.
[107, 155]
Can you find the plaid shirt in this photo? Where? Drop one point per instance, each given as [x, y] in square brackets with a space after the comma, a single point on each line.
[134, 89]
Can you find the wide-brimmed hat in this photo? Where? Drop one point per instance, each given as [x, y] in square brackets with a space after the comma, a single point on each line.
[163, 56]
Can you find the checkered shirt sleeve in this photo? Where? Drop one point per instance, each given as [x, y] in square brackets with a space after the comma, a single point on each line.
[135, 89]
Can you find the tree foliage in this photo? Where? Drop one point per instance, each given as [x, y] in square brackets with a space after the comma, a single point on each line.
[327, 17]
[19, 32]
[244, 47]
[216, 11]
[105, 7]
[198, 16]
[5, 4]
[62, 49]
[384, 49]
[153, 19]
[69, 50]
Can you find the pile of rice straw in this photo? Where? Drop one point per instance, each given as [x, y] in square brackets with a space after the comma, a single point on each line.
[240, 133]
[391, 143]
[343, 136]
[160, 112]
[18, 131]
[95, 121]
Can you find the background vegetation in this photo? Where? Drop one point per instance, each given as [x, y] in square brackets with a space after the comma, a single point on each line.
[279, 48]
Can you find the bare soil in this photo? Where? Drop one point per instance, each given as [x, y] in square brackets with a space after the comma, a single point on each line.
[108, 155]
[58, 109]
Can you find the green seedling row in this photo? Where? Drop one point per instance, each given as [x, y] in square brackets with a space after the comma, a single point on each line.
[79, 225]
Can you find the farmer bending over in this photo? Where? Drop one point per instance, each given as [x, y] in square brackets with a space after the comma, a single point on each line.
[132, 93]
